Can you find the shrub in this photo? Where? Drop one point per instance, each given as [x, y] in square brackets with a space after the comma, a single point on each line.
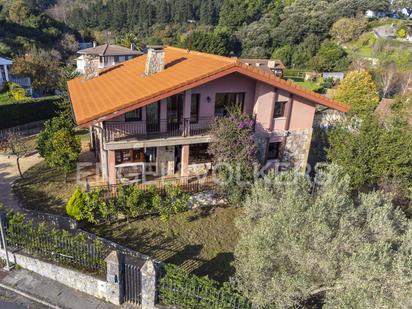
[179, 288]
[174, 201]
[401, 33]
[132, 200]
[75, 205]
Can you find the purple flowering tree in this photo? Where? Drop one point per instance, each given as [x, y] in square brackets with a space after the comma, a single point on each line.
[235, 154]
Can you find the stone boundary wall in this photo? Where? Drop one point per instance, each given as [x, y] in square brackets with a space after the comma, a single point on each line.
[71, 278]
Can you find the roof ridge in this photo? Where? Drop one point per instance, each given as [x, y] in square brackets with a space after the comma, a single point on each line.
[105, 49]
[195, 52]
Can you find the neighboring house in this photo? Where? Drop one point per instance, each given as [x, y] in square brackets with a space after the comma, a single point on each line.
[375, 14]
[104, 56]
[5, 65]
[334, 75]
[153, 114]
[6, 76]
[274, 66]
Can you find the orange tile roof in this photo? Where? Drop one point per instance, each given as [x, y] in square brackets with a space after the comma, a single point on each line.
[125, 87]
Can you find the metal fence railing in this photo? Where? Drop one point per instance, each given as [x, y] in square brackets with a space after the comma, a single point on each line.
[191, 184]
[59, 246]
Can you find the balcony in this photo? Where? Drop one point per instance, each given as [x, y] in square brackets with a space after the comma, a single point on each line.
[146, 130]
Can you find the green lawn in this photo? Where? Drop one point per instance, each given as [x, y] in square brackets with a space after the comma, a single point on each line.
[201, 240]
[44, 189]
[313, 86]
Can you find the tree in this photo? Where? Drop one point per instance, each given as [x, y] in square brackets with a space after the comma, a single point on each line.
[373, 153]
[387, 77]
[325, 248]
[235, 154]
[330, 57]
[348, 29]
[42, 66]
[285, 54]
[64, 152]
[19, 11]
[403, 5]
[16, 145]
[359, 91]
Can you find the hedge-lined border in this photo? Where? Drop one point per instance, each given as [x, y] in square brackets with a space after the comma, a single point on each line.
[27, 111]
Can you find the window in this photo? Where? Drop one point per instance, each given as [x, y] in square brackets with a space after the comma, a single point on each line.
[198, 154]
[129, 155]
[279, 109]
[116, 59]
[174, 110]
[194, 108]
[224, 101]
[135, 115]
[274, 151]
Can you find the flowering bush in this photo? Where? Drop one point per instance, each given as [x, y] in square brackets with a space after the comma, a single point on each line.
[235, 154]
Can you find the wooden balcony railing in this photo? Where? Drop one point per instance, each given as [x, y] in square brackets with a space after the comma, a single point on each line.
[144, 130]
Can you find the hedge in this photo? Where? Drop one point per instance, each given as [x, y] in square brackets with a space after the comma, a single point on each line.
[26, 111]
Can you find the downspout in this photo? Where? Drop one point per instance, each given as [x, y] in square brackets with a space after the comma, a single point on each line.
[287, 124]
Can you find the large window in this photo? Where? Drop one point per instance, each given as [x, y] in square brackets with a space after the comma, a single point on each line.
[198, 154]
[134, 115]
[274, 151]
[279, 109]
[225, 101]
[194, 109]
[174, 109]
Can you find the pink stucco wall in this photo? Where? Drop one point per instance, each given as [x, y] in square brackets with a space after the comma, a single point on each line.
[259, 100]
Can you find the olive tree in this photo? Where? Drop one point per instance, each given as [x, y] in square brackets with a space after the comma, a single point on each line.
[301, 245]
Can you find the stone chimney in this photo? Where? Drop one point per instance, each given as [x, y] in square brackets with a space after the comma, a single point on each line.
[155, 62]
[91, 66]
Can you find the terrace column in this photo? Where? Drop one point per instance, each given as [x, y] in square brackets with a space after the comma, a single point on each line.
[111, 167]
[6, 72]
[185, 161]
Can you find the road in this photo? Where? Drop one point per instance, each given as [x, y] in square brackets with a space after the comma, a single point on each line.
[11, 300]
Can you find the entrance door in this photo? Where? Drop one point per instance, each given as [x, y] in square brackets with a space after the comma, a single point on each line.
[153, 117]
[174, 112]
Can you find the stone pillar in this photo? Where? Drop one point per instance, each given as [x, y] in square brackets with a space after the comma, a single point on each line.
[185, 161]
[111, 166]
[149, 275]
[115, 280]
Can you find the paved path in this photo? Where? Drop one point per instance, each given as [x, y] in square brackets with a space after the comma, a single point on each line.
[9, 173]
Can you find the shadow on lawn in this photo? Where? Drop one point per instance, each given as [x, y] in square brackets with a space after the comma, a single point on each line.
[219, 268]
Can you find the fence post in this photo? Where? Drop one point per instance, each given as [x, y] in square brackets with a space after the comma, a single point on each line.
[115, 282]
[3, 219]
[149, 275]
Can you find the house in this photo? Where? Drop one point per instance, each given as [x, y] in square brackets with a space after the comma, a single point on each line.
[6, 76]
[5, 65]
[336, 76]
[104, 56]
[274, 66]
[152, 114]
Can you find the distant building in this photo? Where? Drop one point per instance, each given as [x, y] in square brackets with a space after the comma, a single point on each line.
[274, 66]
[335, 75]
[104, 56]
[5, 65]
[5, 76]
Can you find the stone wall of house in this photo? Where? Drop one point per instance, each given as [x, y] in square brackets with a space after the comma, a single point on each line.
[296, 150]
